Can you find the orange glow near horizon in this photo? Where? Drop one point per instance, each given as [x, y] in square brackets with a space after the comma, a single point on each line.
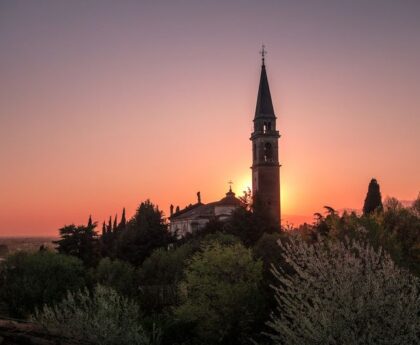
[103, 106]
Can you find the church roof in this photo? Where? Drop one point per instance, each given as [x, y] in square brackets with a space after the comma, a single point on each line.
[187, 209]
[264, 106]
[230, 200]
[200, 210]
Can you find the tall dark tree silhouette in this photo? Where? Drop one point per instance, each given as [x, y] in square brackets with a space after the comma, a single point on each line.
[145, 232]
[373, 200]
[80, 241]
[114, 227]
[123, 221]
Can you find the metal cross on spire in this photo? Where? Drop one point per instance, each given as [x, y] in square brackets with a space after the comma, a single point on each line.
[263, 52]
[230, 183]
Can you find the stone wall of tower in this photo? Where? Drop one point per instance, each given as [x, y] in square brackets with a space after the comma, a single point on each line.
[266, 186]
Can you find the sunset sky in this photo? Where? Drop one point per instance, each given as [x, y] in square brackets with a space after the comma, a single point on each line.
[104, 104]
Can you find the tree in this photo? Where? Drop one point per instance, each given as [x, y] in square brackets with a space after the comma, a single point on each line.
[123, 221]
[103, 318]
[416, 205]
[373, 200]
[221, 294]
[250, 224]
[343, 293]
[80, 241]
[396, 229]
[29, 280]
[145, 232]
[117, 274]
[401, 229]
[159, 276]
[108, 239]
[115, 226]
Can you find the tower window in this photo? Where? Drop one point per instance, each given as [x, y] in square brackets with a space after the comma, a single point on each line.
[268, 152]
[266, 127]
[254, 152]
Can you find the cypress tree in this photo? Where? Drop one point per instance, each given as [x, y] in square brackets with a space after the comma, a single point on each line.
[109, 227]
[123, 221]
[103, 229]
[373, 200]
[89, 225]
[114, 228]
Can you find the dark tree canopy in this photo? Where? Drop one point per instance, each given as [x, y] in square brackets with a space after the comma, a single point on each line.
[249, 224]
[373, 199]
[27, 281]
[145, 232]
[80, 241]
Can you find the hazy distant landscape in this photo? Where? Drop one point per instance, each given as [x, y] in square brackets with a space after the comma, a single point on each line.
[10, 245]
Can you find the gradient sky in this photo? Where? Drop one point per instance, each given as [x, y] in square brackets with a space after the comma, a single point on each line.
[106, 103]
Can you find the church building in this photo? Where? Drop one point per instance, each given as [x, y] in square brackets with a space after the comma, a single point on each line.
[265, 171]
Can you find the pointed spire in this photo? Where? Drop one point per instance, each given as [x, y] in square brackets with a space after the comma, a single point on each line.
[263, 52]
[264, 104]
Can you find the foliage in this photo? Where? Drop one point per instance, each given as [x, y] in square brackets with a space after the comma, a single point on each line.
[268, 251]
[221, 294]
[396, 229]
[80, 241]
[30, 280]
[159, 275]
[4, 249]
[145, 232]
[118, 275]
[402, 233]
[249, 224]
[416, 206]
[165, 266]
[343, 293]
[110, 234]
[373, 199]
[102, 318]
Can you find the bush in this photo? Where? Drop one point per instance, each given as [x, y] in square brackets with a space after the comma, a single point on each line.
[30, 280]
[118, 275]
[221, 294]
[344, 293]
[103, 318]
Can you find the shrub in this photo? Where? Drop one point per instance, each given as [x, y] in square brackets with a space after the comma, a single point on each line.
[118, 275]
[30, 280]
[221, 294]
[344, 293]
[104, 318]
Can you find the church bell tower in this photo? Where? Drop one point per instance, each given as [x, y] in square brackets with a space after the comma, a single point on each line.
[265, 152]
